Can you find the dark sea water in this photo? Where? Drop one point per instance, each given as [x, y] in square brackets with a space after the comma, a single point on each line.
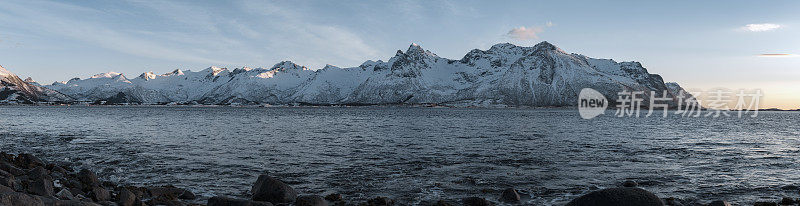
[418, 155]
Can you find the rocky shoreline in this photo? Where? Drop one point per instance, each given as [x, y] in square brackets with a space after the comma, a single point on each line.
[27, 180]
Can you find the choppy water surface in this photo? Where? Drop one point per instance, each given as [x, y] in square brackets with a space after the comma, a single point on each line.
[417, 155]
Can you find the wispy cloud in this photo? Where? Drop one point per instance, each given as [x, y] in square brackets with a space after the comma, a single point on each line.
[523, 33]
[292, 35]
[130, 42]
[778, 55]
[761, 27]
[528, 33]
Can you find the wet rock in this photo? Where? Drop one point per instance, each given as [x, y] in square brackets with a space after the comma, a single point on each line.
[126, 198]
[11, 169]
[65, 194]
[38, 173]
[58, 171]
[165, 200]
[76, 192]
[765, 204]
[3, 173]
[5, 157]
[55, 202]
[627, 196]
[272, 190]
[8, 181]
[27, 161]
[443, 203]
[171, 191]
[719, 203]
[42, 186]
[333, 197]
[4, 189]
[671, 201]
[630, 183]
[19, 199]
[88, 179]
[510, 195]
[380, 201]
[107, 203]
[226, 201]
[787, 201]
[310, 200]
[476, 201]
[99, 194]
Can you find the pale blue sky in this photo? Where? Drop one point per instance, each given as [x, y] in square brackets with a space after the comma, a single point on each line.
[698, 44]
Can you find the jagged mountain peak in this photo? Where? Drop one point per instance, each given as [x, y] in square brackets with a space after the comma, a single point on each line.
[503, 46]
[16, 90]
[179, 72]
[120, 77]
[415, 50]
[4, 72]
[147, 76]
[105, 75]
[288, 66]
[545, 45]
[328, 66]
[213, 70]
[507, 74]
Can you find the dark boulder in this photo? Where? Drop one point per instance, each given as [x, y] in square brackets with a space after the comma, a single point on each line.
[380, 201]
[171, 191]
[671, 201]
[39, 173]
[272, 190]
[65, 194]
[226, 201]
[4, 189]
[765, 204]
[41, 187]
[476, 201]
[20, 199]
[8, 181]
[5, 157]
[510, 195]
[88, 179]
[99, 194]
[443, 203]
[719, 203]
[27, 161]
[333, 197]
[126, 198]
[165, 200]
[3, 173]
[310, 200]
[788, 201]
[11, 169]
[626, 196]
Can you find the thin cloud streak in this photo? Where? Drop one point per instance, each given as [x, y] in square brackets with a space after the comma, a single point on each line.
[778, 55]
[761, 27]
[97, 34]
[523, 33]
[528, 33]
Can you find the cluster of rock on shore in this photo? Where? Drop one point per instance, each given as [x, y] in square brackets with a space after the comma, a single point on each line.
[26, 180]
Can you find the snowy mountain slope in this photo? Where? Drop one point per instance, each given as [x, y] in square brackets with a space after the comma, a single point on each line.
[15, 90]
[505, 74]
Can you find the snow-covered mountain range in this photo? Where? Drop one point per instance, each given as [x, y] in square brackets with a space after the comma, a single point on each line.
[505, 74]
[15, 90]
